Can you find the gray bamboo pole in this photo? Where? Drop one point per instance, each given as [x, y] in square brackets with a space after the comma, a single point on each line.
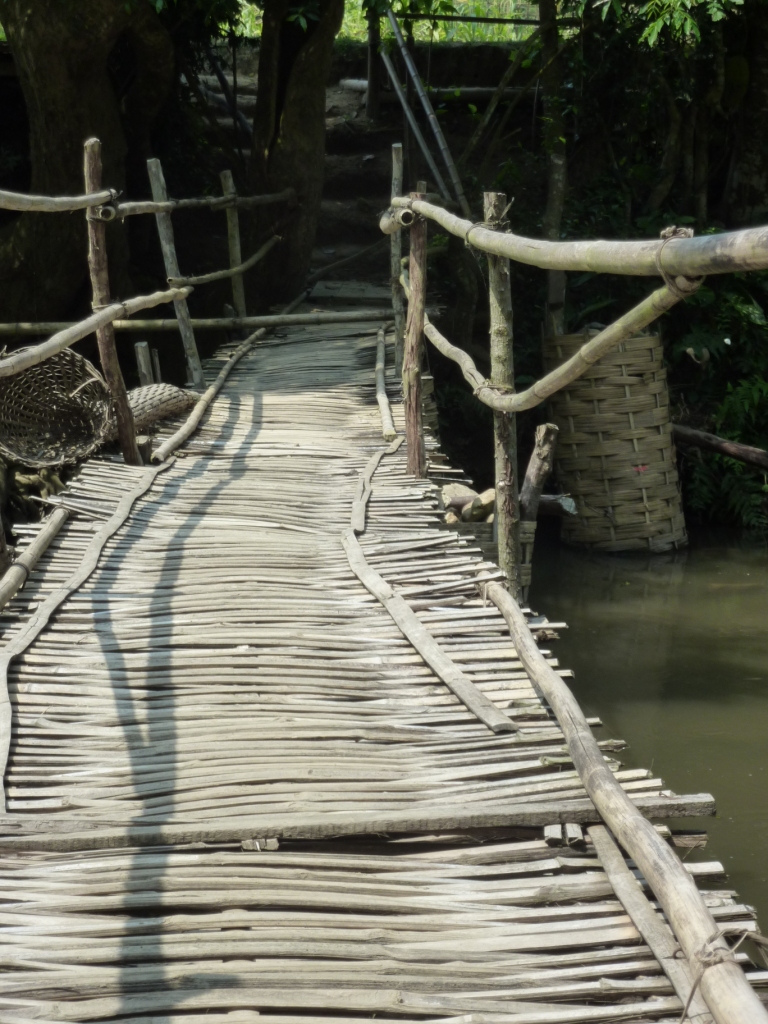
[144, 362]
[136, 207]
[165, 231]
[156, 366]
[441, 186]
[233, 239]
[434, 123]
[54, 204]
[722, 982]
[395, 255]
[504, 424]
[414, 329]
[105, 336]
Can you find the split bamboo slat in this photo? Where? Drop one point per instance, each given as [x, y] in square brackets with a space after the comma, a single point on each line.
[615, 453]
[236, 791]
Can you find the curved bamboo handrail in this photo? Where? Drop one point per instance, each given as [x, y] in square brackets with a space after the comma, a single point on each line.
[725, 253]
[54, 204]
[221, 275]
[24, 358]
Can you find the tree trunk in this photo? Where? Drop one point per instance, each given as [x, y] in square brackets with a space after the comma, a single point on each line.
[289, 133]
[61, 49]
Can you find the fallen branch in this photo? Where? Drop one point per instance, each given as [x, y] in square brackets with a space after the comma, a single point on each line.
[54, 204]
[539, 467]
[721, 445]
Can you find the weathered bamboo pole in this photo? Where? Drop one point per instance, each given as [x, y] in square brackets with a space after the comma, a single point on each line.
[227, 323]
[156, 366]
[105, 336]
[414, 125]
[674, 257]
[504, 426]
[723, 985]
[22, 359]
[144, 363]
[167, 244]
[414, 328]
[434, 124]
[16, 575]
[54, 204]
[136, 207]
[233, 272]
[387, 424]
[395, 255]
[233, 241]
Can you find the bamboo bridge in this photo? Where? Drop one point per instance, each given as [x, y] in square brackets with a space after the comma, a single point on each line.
[282, 747]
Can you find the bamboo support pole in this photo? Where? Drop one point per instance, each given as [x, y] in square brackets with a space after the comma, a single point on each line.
[24, 358]
[156, 366]
[507, 519]
[235, 272]
[395, 255]
[105, 335]
[16, 575]
[437, 131]
[227, 323]
[674, 257]
[414, 125]
[722, 984]
[167, 244]
[54, 204]
[417, 275]
[144, 363]
[136, 207]
[233, 241]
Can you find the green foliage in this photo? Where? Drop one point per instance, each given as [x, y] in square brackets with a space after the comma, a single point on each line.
[679, 19]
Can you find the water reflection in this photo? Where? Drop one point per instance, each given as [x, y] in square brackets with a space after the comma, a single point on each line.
[672, 652]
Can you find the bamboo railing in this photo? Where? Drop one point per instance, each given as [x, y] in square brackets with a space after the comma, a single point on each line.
[710, 974]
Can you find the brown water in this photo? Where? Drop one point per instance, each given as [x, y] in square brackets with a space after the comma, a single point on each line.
[671, 651]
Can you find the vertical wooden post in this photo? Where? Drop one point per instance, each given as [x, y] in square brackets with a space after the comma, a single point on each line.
[504, 426]
[374, 42]
[144, 363]
[167, 244]
[395, 255]
[105, 336]
[233, 238]
[156, 367]
[414, 335]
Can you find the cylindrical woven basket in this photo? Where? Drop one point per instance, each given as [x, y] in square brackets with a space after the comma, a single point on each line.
[615, 454]
[54, 413]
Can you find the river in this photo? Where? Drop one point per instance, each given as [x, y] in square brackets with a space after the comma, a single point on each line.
[671, 651]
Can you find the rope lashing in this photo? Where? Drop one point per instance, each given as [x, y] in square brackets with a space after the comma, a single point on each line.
[710, 955]
[689, 285]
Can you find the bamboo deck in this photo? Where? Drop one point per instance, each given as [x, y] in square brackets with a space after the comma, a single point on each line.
[234, 788]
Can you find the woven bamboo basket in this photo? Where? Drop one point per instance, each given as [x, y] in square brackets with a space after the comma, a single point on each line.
[615, 454]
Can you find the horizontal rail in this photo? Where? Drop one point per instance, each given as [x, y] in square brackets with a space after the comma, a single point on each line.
[131, 209]
[220, 275]
[225, 323]
[720, 445]
[24, 358]
[54, 204]
[722, 983]
[635, 320]
[675, 257]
